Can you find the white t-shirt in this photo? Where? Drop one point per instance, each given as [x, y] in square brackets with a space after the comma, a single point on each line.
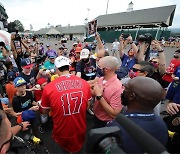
[115, 45]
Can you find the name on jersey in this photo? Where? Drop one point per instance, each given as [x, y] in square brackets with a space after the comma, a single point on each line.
[69, 84]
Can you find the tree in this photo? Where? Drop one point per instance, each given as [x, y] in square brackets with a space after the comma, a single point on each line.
[19, 25]
[31, 27]
[11, 27]
[15, 25]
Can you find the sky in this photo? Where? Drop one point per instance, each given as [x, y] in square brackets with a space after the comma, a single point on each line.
[63, 12]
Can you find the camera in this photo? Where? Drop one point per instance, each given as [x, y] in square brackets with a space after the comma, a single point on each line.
[147, 38]
[17, 36]
[34, 38]
[104, 140]
[29, 144]
[33, 139]
[109, 140]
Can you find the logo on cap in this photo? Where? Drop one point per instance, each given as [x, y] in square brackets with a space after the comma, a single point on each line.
[28, 61]
[20, 81]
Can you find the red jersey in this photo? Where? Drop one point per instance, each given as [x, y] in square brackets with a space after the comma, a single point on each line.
[67, 96]
[170, 70]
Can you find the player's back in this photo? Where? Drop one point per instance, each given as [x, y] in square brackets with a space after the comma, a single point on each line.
[68, 97]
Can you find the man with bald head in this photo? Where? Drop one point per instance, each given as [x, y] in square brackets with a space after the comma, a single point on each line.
[107, 91]
[141, 95]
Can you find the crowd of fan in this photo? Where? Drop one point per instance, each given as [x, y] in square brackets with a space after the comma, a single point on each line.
[26, 70]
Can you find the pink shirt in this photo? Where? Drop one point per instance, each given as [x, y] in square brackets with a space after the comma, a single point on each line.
[112, 94]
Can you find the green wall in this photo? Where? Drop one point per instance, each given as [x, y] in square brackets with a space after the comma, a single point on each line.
[110, 35]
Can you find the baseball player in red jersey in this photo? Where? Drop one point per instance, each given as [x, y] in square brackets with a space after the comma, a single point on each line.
[68, 98]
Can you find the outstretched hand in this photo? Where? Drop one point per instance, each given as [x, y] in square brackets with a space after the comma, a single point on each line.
[173, 108]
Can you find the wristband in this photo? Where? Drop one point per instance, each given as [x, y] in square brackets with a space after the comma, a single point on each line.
[21, 125]
[161, 51]
[131, 42]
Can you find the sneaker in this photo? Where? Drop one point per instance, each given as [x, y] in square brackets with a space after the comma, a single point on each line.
[90, 112]
[41, 130]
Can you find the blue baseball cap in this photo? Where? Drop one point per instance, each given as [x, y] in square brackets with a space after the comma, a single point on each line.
[19, 81]
[52, 55]
[11, 75]
[28, 115]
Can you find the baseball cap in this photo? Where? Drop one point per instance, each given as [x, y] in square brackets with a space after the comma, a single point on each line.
[19, 81]
[52, 55]
[78, 49]
[40, 81]
[26, 63]
[47, 45]
[84, 54]
[61, 48]
[61, 61]
[5, 100]
[27, 115]
[178, 51]
[11, 75]
[74, 44]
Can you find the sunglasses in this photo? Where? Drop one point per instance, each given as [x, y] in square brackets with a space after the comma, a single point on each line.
[136, 70]
[155, 62]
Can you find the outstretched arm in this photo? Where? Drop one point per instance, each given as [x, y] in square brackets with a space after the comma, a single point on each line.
[100, 45]
[162, 59]
[121, 46]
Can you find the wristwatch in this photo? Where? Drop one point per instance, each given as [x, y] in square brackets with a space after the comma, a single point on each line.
[161, 51]
[99, 97]
[21, 125]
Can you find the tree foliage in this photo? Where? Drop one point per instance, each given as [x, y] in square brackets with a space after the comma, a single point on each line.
[15, 25]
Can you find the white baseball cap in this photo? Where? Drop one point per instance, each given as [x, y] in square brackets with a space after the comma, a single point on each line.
[84, 54]
[61, 61]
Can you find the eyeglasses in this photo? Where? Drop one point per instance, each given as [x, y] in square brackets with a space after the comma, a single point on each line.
[7, 141]
[136, 70]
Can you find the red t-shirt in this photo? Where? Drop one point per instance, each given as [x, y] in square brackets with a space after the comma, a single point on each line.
[170, 70]
[67, 96]
[38, 95]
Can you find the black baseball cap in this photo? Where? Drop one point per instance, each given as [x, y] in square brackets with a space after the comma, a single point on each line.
[178, 51]
[26, 63]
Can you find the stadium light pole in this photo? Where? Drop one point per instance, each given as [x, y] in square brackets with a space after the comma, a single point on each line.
[107, 6]
[88, 12]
